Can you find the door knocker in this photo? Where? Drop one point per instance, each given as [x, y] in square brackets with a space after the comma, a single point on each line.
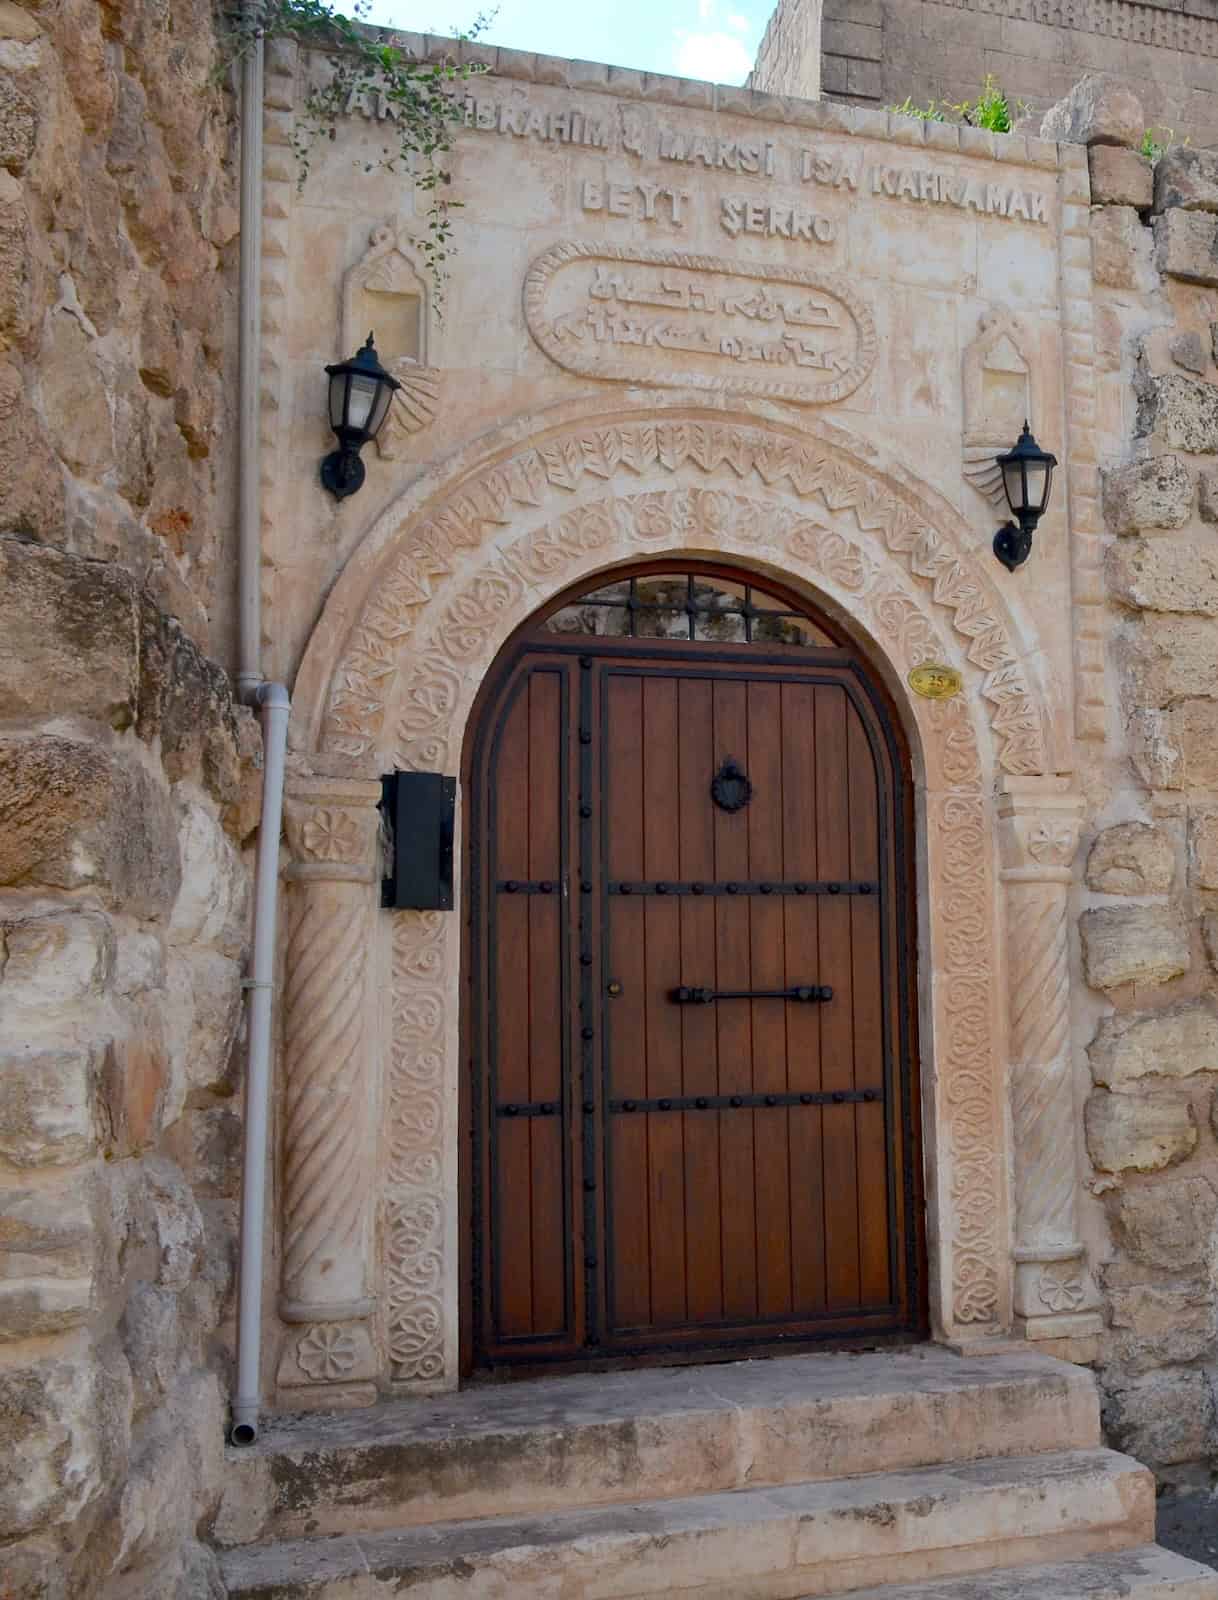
[730, 788]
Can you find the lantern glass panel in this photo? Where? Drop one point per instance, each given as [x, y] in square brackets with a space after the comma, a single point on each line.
[361, 400]
[380, 410]
[1013, 483]
[1038, 476]
[338, 399]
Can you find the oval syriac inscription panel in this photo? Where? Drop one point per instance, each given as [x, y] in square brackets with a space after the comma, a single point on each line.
[697, 322]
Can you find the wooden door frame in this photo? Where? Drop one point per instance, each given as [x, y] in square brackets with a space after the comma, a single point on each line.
[870, 686]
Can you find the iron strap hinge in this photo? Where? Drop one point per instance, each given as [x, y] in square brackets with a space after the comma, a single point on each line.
[686, 996]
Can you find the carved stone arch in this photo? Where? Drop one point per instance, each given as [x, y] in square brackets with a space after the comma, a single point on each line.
[441, 582]
[543, 465]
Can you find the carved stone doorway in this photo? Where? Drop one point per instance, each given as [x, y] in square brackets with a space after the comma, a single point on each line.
[693, 1098]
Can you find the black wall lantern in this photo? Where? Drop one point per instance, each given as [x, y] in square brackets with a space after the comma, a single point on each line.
[1027, 476]
[360, 392]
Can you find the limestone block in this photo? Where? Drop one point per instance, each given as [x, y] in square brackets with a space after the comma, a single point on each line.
[1181, 412]
[69, 636]
[1169, 658]
[1188, 351]
[203, 1015]
[1209, 937]
[1131, 858]
[15, 272]
[1157, 493]
[1133, 944]
[1186, 246]
[172, 1221]
[48, 1104]
[1162, 1324]
[1187, 179]
[54, 961]
[152, 1338]
[1203, 848]
[178, 1465]
[1098, 110]
[18, 125]
[1120, 177]
[1169, 1224]
[139, 963]
[186, 701]
[1127, 1133]
[213, 904]
[65, 819]
[75, 400]
[1173, 1043]
[1177, 748]
[1162, 1418]
[1121, 249]
[49, 1446]
[50, 1256]
[1164, 575]
[215, 1149]
[138, 1090]
[1207, 484]
[31, 478]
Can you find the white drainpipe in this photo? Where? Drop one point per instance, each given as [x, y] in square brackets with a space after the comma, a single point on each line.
[275, 707]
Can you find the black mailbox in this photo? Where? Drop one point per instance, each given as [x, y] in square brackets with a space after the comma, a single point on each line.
[419, 809]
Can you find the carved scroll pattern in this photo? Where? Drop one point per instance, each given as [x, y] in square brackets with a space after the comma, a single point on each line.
[964, 1041]
[811, 470]
[325, 1186]
[416, 1201]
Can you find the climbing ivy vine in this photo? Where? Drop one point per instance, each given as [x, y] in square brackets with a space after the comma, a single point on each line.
[418, 99]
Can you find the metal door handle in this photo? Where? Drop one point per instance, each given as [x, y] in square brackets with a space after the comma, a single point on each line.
[685, 996]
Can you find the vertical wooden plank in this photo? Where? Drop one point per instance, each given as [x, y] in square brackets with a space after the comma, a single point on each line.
[629, 1242]
[736, 1169]
[699, 1035]
[767, 966]
[511, 1213]
[546, 1019]
[801, 915]
[837, 1016]
[869, 1003]
[661, 861]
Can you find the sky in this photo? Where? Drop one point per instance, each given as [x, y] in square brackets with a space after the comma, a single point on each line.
[713, 39]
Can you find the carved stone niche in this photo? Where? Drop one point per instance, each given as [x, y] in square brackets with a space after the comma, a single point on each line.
[997, 399]
[387, 293]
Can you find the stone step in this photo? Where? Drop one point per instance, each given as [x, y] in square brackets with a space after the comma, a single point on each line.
[1147, 1573]
[517, 1448]
[747, 1544]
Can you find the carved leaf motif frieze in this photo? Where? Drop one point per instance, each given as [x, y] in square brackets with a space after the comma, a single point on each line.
[810, 469]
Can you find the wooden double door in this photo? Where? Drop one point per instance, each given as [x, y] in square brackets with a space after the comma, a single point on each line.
[692, 1116]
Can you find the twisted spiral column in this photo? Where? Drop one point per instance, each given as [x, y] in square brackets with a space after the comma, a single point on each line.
[327, 1143]
[1039, 822]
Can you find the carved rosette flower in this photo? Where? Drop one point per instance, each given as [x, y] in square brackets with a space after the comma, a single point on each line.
[327, 1352]
[331, 836]
[1061, 1289]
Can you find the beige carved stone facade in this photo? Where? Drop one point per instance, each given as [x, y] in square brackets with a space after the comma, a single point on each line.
[878, 52]
[684, 322]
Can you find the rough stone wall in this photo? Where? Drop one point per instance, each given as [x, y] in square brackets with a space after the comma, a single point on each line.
[788, 60]
[127, 785]
[1149, 933]
[876, 52]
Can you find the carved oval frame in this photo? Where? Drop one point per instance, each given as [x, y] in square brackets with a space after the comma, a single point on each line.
[449, 572]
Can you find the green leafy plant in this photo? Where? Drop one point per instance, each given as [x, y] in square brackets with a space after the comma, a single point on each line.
[1157, 141]
[933, 112]
[991, 109]
[417, 99]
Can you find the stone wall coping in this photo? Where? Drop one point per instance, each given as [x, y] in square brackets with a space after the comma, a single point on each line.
[823, 116]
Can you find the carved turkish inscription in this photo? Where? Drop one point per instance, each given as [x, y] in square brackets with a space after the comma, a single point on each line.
[687, 321]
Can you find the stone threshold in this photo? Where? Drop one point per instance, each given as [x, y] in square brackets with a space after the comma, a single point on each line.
[658, 1433]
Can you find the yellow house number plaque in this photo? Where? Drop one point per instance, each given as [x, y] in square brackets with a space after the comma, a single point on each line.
[935, 682]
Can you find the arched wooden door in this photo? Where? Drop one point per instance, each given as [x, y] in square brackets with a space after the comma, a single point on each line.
[692, 1107]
